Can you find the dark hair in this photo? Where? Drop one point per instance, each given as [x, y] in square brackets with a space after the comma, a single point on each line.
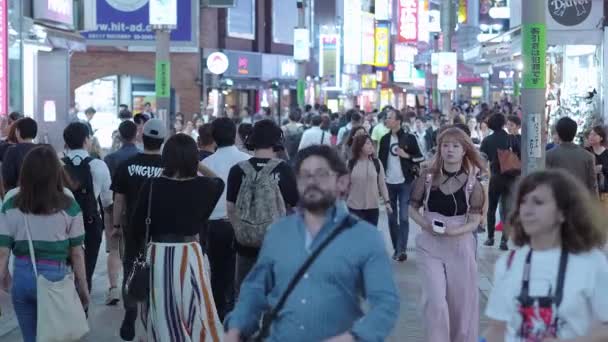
[122, 105]
[180, 156]
[152, 144]
[307, 108]
[355, 117]
[295, 115]
[421, 118]
[353, 132]
[140, 119]
[14, 116]
[496, 122]
[41, 183]
[244, 131]
[265, 134]
[223, 132]
[147, 104]
[396, 113]
[566, 129]
[599, 130]
[125, 114]
[514, 119]
[90, 110]
[127, 130]
[464, 128]
[323, 151]
[582, 229]
[205, 135]
[12, 134]
[357, 145]
[316, 120]
[75, 135]
[28, 128]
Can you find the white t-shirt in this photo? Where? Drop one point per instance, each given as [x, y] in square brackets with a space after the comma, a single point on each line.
[585, 299]
[394, 172]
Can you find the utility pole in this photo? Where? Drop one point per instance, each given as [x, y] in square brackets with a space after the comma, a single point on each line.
[448, 14]
[534, 47]
[434, 90]
[301, 87]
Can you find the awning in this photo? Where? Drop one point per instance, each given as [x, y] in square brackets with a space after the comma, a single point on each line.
[62, 39]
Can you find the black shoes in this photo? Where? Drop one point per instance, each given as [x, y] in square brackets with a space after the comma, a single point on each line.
[400, 257]
[489, 242]
[127, 329]
[503, 246]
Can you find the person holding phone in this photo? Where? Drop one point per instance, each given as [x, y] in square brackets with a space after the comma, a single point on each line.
[447, 203]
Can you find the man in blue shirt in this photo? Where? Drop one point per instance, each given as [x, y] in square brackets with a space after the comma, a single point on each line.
[325, 305]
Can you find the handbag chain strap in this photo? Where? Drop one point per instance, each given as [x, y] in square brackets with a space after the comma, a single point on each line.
[148, 217]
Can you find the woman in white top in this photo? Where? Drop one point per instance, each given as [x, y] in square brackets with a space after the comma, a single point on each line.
[553, 287]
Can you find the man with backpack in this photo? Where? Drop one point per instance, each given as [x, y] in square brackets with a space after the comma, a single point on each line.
[293, 132]
[259, 191]
[90, 181]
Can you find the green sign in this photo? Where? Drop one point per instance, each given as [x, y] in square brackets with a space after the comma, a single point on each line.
[301, 93]
[163, 79]
[534, 53]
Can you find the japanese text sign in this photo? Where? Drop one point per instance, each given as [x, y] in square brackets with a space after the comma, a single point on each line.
[534, 55]
[408, 21]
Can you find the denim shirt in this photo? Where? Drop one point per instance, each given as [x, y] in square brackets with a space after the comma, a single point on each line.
[113, 160]
[326, 301]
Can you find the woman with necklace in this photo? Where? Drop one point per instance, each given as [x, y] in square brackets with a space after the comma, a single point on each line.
[552, 287]
[597, 145]
[173, 210]
[451, 199]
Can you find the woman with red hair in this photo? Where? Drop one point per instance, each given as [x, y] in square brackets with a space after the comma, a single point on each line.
[451, 199]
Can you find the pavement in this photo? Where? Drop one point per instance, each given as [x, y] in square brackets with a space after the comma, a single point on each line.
[105, 321]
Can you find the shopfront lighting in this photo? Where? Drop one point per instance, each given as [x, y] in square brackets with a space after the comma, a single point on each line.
[484, 27]
[497, 27]
[500, 12]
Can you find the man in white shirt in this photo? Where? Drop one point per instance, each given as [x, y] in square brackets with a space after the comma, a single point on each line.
[315, 135]
[220, 233]
[77, 139]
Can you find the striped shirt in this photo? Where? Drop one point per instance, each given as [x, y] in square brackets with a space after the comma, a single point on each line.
[53, 235]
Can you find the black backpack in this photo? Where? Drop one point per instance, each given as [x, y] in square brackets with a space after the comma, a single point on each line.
[82, 187]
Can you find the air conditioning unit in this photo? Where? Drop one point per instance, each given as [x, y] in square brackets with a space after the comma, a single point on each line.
[218, 3]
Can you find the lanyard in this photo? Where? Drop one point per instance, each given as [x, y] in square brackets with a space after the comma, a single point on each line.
[561, 275]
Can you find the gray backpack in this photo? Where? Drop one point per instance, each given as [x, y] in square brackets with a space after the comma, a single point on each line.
[259, 203]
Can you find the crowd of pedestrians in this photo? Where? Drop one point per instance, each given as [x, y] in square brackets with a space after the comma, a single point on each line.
[239, 226]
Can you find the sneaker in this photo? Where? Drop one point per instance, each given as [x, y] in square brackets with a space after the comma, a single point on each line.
[503, 246]
[402, 257]
[113, 296]
[489, 242]
[481, 229]
[127, 329]
[396, 256]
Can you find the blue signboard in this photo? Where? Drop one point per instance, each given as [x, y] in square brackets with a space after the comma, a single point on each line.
[127, 22]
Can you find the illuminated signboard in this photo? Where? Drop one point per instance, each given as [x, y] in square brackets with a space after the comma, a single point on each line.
[382, 57]
[408, 21]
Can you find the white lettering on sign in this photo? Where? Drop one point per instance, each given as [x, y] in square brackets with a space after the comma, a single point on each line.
[408, 21]
[60, 6]
[288, 68]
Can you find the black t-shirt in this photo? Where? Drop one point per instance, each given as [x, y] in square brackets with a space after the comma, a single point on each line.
[287, 181]
[131, 175]
[179, 207]
[602, 159]
[12, 161]
[499, 140]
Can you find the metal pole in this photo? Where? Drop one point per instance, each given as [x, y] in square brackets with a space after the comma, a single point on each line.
[302, 5]
[534, 47]
[448, 13]
[163, 99]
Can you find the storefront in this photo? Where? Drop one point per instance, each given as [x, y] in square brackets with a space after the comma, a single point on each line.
[279, 76]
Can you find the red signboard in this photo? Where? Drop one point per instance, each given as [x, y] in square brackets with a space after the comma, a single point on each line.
[3, 57]
[408, 21]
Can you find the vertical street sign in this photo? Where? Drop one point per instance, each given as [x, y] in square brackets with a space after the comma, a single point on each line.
[534, 40]
[163, 78]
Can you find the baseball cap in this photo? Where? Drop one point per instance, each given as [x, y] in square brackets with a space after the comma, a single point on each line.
[156, 129]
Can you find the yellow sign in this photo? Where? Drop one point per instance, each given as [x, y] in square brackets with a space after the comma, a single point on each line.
[368, 81]
[462, 11]
[382, 55]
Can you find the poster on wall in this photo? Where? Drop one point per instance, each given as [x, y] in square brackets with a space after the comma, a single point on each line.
[55, 11]
[127, 22]
[3, 57]
[382, 58]
[447, 77]
[163, 12]
[368, 38]
[408, 21]
[352, 32]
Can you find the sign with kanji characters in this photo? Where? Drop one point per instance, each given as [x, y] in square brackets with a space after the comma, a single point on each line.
[408, 21]
[383, 38]
[534, 50]
[535, 130]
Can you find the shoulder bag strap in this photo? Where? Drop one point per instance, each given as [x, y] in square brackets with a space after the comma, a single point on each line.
[561, 276]
[322, 137]
[30, 244]
[348, 222]
[149, 214]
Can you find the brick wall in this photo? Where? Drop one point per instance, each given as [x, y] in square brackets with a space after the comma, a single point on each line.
[89, 66]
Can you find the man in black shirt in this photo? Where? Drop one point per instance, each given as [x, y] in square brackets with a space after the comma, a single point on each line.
[501, 185]
[26, 131]
[126, 184]
[206, 144]
[265, 141]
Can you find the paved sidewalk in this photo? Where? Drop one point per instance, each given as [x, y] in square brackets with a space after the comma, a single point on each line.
[105, 321]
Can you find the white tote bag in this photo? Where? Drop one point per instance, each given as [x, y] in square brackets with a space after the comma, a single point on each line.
[61, 317]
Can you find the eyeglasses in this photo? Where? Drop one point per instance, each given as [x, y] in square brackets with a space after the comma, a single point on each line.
[318, 175]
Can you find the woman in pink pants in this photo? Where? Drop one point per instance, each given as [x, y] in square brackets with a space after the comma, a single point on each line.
[452, 202]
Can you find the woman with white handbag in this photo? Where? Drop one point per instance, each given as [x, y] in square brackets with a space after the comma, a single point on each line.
[43, 226]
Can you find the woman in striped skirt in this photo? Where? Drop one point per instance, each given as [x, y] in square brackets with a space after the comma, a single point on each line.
[177, 205]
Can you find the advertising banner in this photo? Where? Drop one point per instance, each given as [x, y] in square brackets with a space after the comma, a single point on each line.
[383, 36]
[463, 7]
[163, 79]
[408, 21]
[383, 9]
[368, 38]
[574, 15]
[301, 45]
[330, 55]
[447, 78]
[244, 64]
[3, 57]
[352, 32]
[369, 81]
[127, 22]
[58, 11]
[424, 33]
